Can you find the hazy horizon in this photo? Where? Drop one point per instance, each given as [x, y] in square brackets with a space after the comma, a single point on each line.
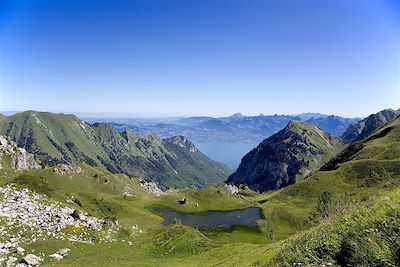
[116, 115]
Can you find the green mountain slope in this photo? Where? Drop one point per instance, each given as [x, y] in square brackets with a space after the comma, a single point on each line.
[365, 127]
[347, 215]
[367, 236]
[383, 144]
[286, 157]
[351, 202]
[59, 138]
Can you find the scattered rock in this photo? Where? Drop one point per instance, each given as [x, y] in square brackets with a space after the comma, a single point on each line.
[32, 259]
[91, 225]
[136, 230]
[11, 260]
[56, 256]
[65, 169]
[64, 251]
[151, 187]
[126, 194]
[20, 250]
[37, 212]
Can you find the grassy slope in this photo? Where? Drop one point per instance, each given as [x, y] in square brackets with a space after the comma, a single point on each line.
[65, 138]
[368, 236]
[163, 246]
[35, 129]
[101, 194]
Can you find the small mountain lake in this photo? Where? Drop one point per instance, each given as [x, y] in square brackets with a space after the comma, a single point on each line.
[213, 219]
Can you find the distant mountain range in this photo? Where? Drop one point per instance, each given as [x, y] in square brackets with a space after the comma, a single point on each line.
[235, 128]
[58, 138]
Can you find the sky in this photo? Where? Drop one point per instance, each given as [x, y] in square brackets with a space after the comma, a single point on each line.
[200, 57]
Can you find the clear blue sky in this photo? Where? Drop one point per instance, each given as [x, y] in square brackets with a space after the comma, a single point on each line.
[200, 57]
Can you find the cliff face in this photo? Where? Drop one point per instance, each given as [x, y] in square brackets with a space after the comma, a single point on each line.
[20, 158]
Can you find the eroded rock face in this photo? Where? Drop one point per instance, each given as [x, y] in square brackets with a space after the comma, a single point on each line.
[65, 169]
[182, 142]
[231, 189]
[151, 187]
[21, 159]
[6, 146]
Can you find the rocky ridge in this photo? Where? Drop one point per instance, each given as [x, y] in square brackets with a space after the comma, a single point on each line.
[367, 126]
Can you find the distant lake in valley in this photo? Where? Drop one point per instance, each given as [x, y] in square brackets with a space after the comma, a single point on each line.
[229, 153]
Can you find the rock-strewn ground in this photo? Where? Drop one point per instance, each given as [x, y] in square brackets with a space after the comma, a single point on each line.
[65, 169]
[151, 187]
[27, 217]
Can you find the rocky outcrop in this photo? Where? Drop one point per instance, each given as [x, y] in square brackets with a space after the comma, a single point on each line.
[231, 189]
[151, 187]
[66, 169]
[21, 159]
[182, 142]
[286, 157]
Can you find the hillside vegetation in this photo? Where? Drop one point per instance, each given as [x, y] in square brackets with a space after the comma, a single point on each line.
[58, 138]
